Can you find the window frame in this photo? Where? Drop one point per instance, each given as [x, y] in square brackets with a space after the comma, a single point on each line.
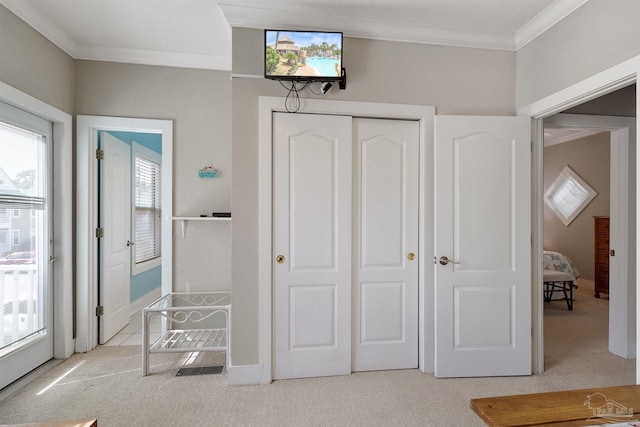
[15, 235]
[568, 177]
[140, 150]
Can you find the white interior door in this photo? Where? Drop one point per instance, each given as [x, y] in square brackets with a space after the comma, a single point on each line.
[483, 221]
[312, 243]
[385, 289]
[115, 246]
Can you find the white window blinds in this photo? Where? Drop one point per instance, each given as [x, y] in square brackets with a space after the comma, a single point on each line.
[568, 195]
[147, 209]
[21, 178]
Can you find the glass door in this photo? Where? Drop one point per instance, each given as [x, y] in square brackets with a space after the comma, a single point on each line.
[26, 259]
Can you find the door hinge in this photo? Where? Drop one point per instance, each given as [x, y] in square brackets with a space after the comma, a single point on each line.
[99, 310]
[99, 154]
[612, 252]
[99, 232]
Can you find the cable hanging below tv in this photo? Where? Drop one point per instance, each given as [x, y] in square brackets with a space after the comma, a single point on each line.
[304, 56]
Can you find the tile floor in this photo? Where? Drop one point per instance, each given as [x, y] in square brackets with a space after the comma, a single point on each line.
[132, 333]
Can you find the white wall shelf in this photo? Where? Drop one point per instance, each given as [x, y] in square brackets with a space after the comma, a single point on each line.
[185, 219]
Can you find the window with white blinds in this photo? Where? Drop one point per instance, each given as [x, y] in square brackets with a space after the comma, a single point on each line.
[21, 181]
[147, 209]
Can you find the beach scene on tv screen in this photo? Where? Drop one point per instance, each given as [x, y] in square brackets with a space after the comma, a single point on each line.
[303, 54]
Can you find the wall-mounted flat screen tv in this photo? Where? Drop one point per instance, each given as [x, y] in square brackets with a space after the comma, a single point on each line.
[302, 55]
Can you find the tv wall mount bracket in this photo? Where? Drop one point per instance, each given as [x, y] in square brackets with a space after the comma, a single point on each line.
[343, 81]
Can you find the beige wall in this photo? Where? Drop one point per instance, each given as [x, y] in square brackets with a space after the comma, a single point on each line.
[597, 36]
[454, 80]
[589, 158]
[34, 65]
[198, 102]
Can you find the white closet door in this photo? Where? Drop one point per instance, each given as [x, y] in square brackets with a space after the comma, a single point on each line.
[385, 334]
[312, 245]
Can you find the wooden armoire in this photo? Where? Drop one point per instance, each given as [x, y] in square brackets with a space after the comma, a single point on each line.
[601, 254]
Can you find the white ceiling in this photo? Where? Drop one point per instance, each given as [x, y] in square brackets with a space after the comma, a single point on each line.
[197, 33]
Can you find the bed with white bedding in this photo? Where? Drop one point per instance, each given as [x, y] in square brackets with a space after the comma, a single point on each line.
[559, 276]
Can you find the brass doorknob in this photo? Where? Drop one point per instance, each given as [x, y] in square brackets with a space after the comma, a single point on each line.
[280, 259]
[411, 256]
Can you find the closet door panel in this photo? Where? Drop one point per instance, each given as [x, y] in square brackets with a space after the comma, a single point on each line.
[386, 244]
[312, 243]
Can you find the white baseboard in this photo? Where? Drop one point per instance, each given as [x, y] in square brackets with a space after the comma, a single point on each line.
[144, 301]
[245, 375]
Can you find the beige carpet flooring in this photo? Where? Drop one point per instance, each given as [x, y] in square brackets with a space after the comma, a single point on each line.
[106, 384]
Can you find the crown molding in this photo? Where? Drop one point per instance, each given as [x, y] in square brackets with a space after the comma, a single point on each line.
[556, 12]
[42, 24]
[60, 38]
[252, 17]
[249, 17]
[152, 57]
[260, 18]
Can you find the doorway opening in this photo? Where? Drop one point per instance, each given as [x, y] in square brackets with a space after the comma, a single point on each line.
[129, 219]
[88, 210]
[597, 140]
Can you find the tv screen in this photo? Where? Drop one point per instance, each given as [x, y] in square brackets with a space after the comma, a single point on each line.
[303, 55]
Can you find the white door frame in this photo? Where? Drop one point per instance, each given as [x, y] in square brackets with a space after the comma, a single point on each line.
[593, 87]
[62, 213]
[622, 296]
[87, 214]
[425, 115]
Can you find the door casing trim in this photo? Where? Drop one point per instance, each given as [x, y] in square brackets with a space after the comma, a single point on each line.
[87, 214]
[599, 84]
[425, 116]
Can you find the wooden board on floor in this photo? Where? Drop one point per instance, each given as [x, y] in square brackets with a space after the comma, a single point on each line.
[594, 406]
[71, 423]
